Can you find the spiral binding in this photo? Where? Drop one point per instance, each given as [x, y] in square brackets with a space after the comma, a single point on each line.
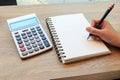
[58, 47]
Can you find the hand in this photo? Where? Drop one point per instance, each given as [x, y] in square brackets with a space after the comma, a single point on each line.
[106, 33]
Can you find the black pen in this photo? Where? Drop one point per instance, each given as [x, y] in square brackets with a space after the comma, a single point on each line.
[102, 19]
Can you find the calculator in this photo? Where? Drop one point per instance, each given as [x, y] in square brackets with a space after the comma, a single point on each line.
[28, 35]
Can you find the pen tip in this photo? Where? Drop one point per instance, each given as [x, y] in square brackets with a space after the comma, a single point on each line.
[88, 37]
[113, 4]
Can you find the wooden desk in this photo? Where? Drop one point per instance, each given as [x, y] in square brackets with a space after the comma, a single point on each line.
[47, 66]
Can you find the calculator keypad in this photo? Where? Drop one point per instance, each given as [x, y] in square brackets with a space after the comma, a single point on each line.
[31, 40]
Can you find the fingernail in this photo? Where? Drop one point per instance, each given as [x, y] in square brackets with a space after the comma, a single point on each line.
[88, 29]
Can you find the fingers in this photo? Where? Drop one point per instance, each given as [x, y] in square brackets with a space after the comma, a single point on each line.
[96, 37]
[93, 31]
[94, 22]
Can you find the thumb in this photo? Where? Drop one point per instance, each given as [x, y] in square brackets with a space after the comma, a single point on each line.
[93, 31]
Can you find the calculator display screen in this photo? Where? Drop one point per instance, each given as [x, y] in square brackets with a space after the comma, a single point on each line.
[23, 23]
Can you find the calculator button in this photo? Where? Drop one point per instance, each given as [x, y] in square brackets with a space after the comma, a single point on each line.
[17, 35]
[25, 53]
[36, 49]
[28, 32]
[36, 37]
[27, 43]
[32, 29]
[24, 30]
[26, 40]
[20, 42]
[43, 38]
[34, 33]
[40, 31]
[23, 34]
[30, 35]
[21, 45]
[29, 47]
[38, 40]
[18, 38]
[39, 43]
[31, 38]
[31, 51]
[32, 41]
[41, 34]
[38, 28]
[41, 46]
[46, 43]
[34, 45]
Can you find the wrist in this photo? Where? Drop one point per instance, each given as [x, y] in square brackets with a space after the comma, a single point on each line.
[117, 40]
[114, 40]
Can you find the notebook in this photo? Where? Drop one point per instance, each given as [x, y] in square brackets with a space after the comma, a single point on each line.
[70, 38]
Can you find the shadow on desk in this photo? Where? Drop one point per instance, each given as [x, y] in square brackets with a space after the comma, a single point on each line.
[116, 79]
[7, 2]
[97, 76]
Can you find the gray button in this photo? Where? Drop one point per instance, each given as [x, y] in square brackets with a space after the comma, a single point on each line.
[32, 29]
[24, 53]
[33, 41]
[29, 35]
[36, 37]
[18, 38]
[31, 51]
[27, 43]
[24, 37]
[31, 38]
[26, 40]
[29, 47]
[38, 40]
[41, 34]
[28, 32]
[20, 42]
[38, 28]
[43, 38]
[41, 46]
[36, 49]
[39, 43]
[23, 34]
[34, 45]
[17, 35]
[34, 33]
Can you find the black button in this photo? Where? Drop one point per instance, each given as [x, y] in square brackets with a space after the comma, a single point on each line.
[46, 43]
[20, 42]
[41, 46]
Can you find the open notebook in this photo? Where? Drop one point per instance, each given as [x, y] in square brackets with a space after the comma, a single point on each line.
[70, 38]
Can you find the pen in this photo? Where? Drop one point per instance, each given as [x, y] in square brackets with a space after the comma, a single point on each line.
[102, 19]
